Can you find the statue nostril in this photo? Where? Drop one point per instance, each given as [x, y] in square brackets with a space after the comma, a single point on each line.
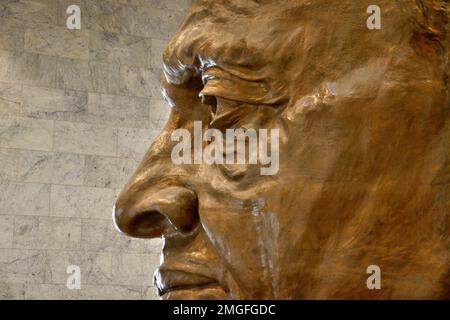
[151, 214]
[148, 224]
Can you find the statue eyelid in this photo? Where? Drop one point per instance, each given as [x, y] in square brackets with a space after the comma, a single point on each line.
[217, 88]
[224, 113]
[239, 90]
[206, 78]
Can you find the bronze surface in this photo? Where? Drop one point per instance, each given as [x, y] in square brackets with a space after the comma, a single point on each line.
[364, 153]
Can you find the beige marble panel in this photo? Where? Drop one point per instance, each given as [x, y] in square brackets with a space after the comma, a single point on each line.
[134, 269]
[120, 49]
[128, 168]
[103, 172]
[34, 291]
[11, 291]
[59, 41]
[73, 74]
[54, 104]
[95, 267]
[11, 35]
[111, 292]
[26, 133]
[81, 202]
[140, 82]
[78, 109]
[98, 235]
[87, 76]
[8, 167]
[150, 293]
[85, 138]
[158, 47]
[150, 22]
[102, 236]
[37, 264]
[28, 68]
[21, 266]
[24, 198]
[133, 143]
[6, 231]
[48, 167]
[46, 233]
[6, 58]
[10, 99]
[179, 5]
[101, 15]
[33, 11]
[97, 15]
[34, 166]
[104, 77]
[67, 168]
[118, 110]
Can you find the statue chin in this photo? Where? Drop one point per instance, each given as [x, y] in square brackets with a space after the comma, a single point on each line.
[210, 293]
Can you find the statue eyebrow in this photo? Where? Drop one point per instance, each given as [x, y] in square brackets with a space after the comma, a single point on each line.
[192, 54]
[254, 90]
[180, 74]
[213, 72]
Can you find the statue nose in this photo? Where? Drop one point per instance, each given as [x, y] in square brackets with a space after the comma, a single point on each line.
[151, 214]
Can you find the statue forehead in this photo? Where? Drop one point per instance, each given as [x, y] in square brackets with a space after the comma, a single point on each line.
[234, 28]
[257, 33]
[266, 20]
[240, 6]
[223, 10]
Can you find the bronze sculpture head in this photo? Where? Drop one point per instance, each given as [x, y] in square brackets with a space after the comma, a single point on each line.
[364, 171]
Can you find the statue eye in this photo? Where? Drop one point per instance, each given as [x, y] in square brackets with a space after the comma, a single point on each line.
[224, 113]
[211, 101]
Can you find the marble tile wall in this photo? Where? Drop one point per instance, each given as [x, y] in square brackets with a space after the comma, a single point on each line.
[78, 108]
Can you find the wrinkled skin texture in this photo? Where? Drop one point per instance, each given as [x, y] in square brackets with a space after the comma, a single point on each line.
[364, 154]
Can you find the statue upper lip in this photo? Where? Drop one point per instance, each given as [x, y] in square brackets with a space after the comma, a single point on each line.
[167, 280]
